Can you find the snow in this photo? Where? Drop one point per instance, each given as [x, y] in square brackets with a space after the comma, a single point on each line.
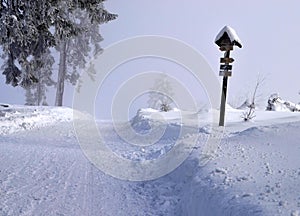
[276, 103]
[174, 114]
[231, 34]
[20, 118]
[255, 170]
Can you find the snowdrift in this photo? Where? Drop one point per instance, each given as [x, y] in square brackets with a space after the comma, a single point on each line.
[15, 118]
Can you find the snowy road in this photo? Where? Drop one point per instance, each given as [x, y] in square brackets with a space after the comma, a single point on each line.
[44, 172]
[255, 171]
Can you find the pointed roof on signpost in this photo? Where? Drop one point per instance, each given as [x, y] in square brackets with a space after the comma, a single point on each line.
[228, 34]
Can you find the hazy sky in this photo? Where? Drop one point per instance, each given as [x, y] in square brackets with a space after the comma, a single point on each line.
[269, 31]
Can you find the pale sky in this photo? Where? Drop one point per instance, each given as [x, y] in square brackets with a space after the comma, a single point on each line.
[269, 31]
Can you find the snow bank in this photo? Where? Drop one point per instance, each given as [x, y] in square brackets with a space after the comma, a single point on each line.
[15, 118]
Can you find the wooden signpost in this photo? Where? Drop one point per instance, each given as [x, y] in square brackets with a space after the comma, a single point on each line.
[226, 39]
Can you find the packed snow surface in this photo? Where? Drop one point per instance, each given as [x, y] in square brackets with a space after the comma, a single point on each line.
[254, 170]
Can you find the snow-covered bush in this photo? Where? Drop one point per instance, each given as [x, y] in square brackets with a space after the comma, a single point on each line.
[276, 103]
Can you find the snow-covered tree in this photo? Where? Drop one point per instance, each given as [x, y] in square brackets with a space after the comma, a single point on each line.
[160, 96]
[75, 51]
[24, 33]
[36, 93]
[29, 28]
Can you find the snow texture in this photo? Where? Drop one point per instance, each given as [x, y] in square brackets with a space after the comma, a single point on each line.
[254, 171]
[21, 118]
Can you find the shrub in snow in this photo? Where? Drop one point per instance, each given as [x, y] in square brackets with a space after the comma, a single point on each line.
[248, 115]
[251, 104]
[165, 107]
[276, 103]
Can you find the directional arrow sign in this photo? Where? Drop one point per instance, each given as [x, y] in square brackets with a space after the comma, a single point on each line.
[225, 73]
[226, 67]
[226, 60]
[226, 40]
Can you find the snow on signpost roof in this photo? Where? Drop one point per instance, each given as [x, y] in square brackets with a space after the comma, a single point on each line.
[234, 39]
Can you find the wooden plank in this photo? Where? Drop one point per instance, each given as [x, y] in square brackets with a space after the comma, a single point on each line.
[226, 67]
[226, 48]
[226, 60]
[225, 73]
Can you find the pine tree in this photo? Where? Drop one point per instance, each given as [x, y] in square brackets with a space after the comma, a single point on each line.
[24, 32]
[36, 93]
[160, 96]
[75, 51]
[29, 98]
[28, 28]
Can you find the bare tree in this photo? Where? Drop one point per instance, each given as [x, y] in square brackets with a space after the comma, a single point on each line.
[249, 114]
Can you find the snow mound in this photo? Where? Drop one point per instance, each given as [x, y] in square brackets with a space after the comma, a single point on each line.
[15, 118]
[141, 123]
[144, 118]
[276, 103]
[149, 113]
[253, 131]
[147, 118]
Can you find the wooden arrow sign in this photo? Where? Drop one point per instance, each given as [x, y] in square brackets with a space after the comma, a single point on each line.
[226, 67]
[226, 60]
[225, 73]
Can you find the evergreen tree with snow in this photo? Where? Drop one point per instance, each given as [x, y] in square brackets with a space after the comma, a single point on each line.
[29, 28]
[75, 51]
[36, 93]
[160, 96]
[22, 35]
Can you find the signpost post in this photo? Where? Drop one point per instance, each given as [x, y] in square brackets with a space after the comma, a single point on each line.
[226, 39]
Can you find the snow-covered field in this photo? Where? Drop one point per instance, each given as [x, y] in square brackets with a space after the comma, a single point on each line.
[255, 170]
